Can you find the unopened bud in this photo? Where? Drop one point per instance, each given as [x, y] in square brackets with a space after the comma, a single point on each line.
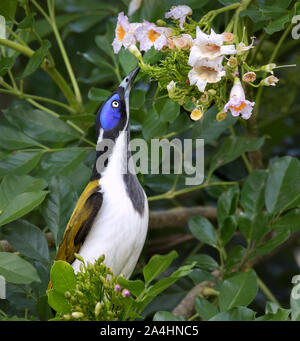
[77, 256]
[77, 315]
[161, 23]
[228, 37]
[118, 287]
[268, 67]
[98, 308]
[171, 88]
[125, 293]
[196, 114]
[135, 51]
[221, 116]
[212, 92]
[249, 77]
[232, 62]
[271, 80]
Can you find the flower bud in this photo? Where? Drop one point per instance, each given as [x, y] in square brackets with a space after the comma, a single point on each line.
[221, 116]
[67, 294]
[249, 77]
[228, 37]
[171, 88]
[98, 308]
[118, 287]
[232, 62]
[161, 23]
[212, 92]
[204, 98]
[196, 114]
[77, 315]
[135, 51]
[268, 67]
[77, 256]
[125, 293]
[271, 80]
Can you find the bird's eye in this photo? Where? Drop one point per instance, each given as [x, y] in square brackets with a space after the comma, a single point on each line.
[115, 104]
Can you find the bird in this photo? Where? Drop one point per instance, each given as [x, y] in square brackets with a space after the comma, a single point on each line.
[111, 215]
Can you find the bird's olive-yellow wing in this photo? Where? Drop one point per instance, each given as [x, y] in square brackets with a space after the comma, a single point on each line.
[81, 220]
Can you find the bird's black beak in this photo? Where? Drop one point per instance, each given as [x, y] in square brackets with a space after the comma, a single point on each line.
[127, 82]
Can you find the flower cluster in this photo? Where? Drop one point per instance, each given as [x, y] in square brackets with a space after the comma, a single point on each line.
[197, 68]
[97, 296]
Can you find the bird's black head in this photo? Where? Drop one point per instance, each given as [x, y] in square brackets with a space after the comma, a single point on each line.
[113, 115]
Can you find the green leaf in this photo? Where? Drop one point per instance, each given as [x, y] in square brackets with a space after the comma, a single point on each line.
[62, 277]
[199, 275]
[278, 24]
[232, 148]
[8, 9]
[127, 60]
[167, 109]
[58, 302]
[98, 94]
[290, 221]
[238, 290]
[208, 128]
[36, 60]
[16, 269]
[12, 139]
[28, 239]
[59, 205]
[204, 261]
[137, 99]
[13, 185]
[43, 309]
[279, 314]
[203, 230]
[235, 257]
[166, 316]
[205, 309]
[282, 191]
[272, 243]
[60, 163]
[135, 287]
[228, 228]
[157, 265]
[21, 205]
[6, 63]
[227, 204]
[39, 125]
[152, 127]
[19, 162]
[235, 314]
[252, 194]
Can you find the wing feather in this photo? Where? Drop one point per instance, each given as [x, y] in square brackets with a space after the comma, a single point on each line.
[82, 218]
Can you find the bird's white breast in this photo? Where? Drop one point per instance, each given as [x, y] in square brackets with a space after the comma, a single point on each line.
[118, 231]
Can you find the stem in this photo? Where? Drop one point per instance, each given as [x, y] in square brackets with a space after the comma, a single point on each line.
[53, 73]
[267, 291]
[173, 194]
[63, 52]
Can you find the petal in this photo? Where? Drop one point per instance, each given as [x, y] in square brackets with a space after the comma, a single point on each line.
[228, 49]
[116, 44]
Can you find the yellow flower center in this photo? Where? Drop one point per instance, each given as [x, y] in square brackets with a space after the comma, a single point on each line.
[241, 107]
[152, 35]
[120, 33]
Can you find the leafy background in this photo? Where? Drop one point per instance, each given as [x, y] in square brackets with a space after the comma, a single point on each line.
[251, 242]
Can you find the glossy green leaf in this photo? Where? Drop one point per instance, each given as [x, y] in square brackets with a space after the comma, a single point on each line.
[13, 139]
[252, 194]
[166, 316]
[227, 204]
[152, 127]
[157, 265]
[137, 99]
[28, 239]
[235, 314]
[58, 302]
[59, 205]
[21, 205]
[127, 60]
[16, 269]
[238, 290]
[6, 63]
[62, 277]
[232, 148]
[37, 58]
[282, 190]
[39, 125]
[204, 261]
[135, 287]
[205, 309]
[203, 230]
[19, 162]
[98, 94]
[167, 109]
[290, 221]
[8, 9]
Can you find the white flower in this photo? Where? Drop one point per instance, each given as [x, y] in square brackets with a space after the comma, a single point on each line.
[150, 35]
[237, 103]
[134, 5]
[124, 33]
[171, 88]
[209, 46]
[179, 12]
[206, 71]
[242, 47]
[271, 80]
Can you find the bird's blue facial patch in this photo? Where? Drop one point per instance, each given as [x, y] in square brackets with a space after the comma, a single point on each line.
[111, 113]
